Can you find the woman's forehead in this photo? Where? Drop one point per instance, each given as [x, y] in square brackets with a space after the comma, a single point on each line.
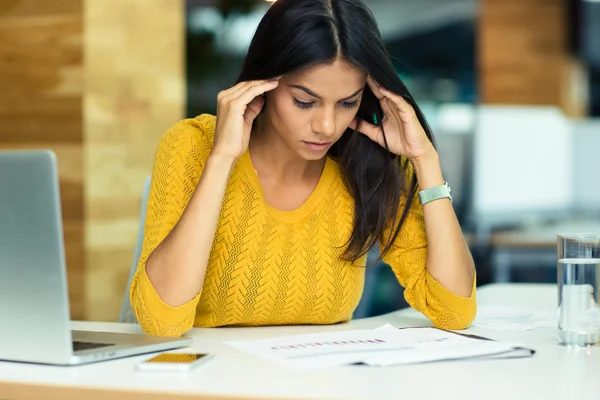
[338, 79]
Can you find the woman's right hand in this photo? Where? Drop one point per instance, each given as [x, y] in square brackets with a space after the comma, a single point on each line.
[237, 108]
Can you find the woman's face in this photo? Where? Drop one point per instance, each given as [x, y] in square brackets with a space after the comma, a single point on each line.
[312, 108]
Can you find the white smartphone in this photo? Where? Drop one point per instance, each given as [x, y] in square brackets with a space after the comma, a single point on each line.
[180, 362]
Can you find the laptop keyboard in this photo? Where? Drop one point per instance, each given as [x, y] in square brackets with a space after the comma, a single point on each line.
[78, 346]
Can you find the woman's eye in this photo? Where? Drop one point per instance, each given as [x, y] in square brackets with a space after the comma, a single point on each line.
[302, 104]
[347, 104]
[305, 105]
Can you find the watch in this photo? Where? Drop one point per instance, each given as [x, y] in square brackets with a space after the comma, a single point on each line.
[435, 193]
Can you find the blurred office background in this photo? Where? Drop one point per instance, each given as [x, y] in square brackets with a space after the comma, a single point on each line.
[510, 87]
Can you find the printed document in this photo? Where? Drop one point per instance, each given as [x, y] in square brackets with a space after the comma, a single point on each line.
[383, 346]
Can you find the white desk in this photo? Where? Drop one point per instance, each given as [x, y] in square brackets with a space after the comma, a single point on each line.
[555, 372]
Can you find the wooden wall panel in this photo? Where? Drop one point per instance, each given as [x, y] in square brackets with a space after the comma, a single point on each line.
[41, 106]
[135, 90]
[523, 54]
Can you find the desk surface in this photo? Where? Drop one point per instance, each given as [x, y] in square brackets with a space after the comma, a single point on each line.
[555, 372]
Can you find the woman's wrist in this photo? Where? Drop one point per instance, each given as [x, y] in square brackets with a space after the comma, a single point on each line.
[428, 169]
[218, 164]
[221, 161]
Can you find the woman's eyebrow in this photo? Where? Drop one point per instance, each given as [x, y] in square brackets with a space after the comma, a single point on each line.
[313, 94]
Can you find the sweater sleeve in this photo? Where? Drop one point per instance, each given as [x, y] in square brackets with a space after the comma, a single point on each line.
[179, 161]
[408, 258]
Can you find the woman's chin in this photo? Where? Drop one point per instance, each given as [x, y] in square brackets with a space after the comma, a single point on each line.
[312, 156]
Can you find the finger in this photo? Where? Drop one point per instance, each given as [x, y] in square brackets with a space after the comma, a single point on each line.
[374, 88]
[249, 84]
[388, 107]
[225, 97]
[253, 109]
[234, 94]
[241, 87]
[233, 89]
[371, 131]
[251, 92]
[399, 101]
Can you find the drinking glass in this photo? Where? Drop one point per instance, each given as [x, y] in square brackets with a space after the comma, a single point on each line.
[578, 281]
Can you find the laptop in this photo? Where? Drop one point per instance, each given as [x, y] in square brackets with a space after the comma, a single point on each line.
[34, 302]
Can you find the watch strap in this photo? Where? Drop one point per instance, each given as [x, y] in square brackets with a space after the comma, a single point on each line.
[435, 193]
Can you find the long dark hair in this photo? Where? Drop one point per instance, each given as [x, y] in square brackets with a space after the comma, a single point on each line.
[296, 34]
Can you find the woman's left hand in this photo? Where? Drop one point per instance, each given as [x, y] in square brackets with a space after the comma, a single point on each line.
[403, 131]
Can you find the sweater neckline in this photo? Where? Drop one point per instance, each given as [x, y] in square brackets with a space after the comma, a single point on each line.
[306, 209]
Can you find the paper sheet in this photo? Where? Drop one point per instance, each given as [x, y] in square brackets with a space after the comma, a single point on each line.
[384, 346]
[513, 318]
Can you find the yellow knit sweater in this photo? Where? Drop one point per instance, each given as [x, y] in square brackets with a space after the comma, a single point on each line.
[272, 267]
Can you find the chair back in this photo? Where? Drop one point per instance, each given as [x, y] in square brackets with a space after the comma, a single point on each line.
[127, 314]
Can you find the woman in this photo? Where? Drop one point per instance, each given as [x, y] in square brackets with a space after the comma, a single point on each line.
[264, 214]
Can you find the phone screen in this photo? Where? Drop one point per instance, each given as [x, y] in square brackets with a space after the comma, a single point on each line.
[177, 358]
